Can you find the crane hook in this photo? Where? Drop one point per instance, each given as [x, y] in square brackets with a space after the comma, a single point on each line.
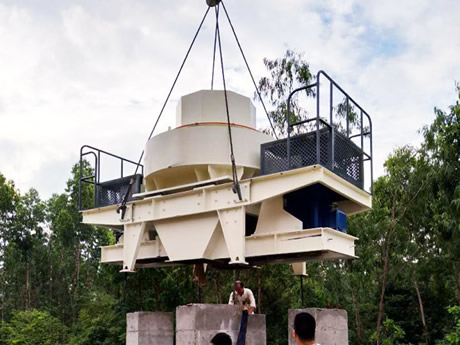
[212, 3]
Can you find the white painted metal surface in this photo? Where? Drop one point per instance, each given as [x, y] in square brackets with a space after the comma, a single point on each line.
[189, 213]
[208, 224]
[209, 106]
[198, 149]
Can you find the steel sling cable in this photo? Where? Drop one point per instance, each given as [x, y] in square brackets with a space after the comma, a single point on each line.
[122, 207]
[249, 69]
[236, 186]
[214, 51]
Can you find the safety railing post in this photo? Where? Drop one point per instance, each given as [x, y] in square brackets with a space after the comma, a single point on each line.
[372, 156]
[331, 112]
[318, 142]
[362, 134]
[98, 176]
[348, 116]
[81, 177]
[288, 141]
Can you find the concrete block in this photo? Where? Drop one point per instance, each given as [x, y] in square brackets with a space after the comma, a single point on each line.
[148, 328]
[331, 325]
[196, 324]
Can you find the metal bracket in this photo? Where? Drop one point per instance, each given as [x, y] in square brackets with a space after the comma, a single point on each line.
[132, 240]
[233, 225]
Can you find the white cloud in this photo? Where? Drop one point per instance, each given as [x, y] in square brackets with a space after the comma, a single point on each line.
[87, 72]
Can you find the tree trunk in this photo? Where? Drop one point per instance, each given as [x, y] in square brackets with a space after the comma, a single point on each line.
[19, 302]
[457, 281]
[218, 294]
[51, 273]
[357, 316]
[76, 275]
[27, 302]
[69, 312]
[386, 269]
[125, 285]
[34, 296]
[422, 312]
[60, 283]
[259, 293]
[139, 291]
[386, 259]
[2, 263]
[3, 296]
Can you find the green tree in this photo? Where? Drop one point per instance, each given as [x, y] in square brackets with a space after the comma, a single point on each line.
[395, 196]
[24, 254]
[392, 334]
[100, 321]
[8, 200]
[74, 246]
[453, 337]
[28, 237]
[442, 146]
[286, 74]
[33, 327]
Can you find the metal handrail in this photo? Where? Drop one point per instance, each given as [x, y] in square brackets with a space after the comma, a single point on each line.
[310, 120]
[96, 153]
[318, 119]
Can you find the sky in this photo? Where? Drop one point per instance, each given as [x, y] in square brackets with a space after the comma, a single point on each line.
[96, 72]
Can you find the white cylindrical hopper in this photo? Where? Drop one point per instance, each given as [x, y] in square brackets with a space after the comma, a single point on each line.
[198, 149]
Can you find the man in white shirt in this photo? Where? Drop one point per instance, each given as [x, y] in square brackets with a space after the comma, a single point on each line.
[244, 298]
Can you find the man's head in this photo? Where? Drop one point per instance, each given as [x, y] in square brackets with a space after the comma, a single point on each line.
[239, 287]
[304, 328]
[221, 339]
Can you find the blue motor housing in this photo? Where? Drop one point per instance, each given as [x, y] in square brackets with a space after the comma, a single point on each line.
[338, 220]
[316, 207]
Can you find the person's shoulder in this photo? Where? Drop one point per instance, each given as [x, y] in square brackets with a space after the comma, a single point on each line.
[248, 290]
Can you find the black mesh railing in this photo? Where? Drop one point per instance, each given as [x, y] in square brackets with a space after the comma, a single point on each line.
[110, 192]
[303, 152]
[347, 161]
[338, 139]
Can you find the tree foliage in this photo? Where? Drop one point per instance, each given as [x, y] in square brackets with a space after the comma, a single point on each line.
[100, 321]
[453, 337]
[33, 327]
[286, 74]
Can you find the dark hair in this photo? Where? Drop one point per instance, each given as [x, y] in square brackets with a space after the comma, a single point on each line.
[239, 282]
[304, 326]
[221, 339]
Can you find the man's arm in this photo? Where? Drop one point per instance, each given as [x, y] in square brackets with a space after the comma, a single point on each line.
[252, 302]
[230, 301]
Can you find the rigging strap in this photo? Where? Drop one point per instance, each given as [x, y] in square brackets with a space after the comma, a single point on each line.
[249, 70]
[217, 40]
[214, 51]
[236, 186]
[122, 207]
